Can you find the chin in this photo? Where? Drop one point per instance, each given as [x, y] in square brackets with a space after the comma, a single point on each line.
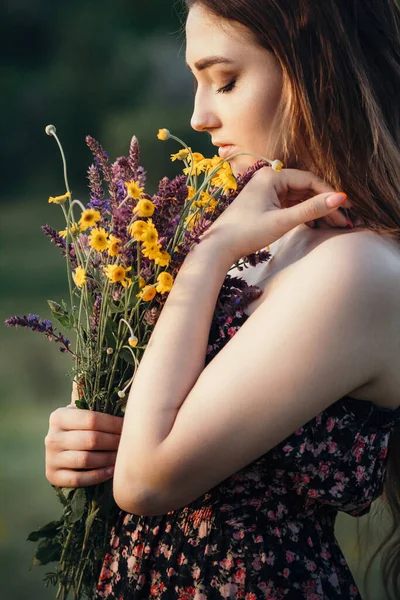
[240, 167]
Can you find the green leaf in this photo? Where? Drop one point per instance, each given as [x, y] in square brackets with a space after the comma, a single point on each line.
[111, 333]
[82, 404]
[49, 530]
[126, 356]
[60, 313]
[116, 309]
[48, 551]
[62, 494]
[77, 505]
[89, 523]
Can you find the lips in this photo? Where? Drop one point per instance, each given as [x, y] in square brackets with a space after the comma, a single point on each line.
[227, 150]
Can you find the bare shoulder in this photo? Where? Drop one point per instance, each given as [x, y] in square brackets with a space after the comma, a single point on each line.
[373, 263]
[373, 259]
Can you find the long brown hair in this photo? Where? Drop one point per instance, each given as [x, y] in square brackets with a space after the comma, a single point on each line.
[340, 108]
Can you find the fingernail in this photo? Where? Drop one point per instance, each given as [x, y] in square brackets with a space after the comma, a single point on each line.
[110, 470]
[336, 199]
[351, 226]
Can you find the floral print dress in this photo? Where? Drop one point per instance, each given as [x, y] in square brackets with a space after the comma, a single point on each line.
[267, 531]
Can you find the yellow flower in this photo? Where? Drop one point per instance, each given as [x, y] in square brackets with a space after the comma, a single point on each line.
[79, 276]
[163, 134]
[73, 229]
[113, 245]
[199, 164]
[191, 192]
[277, 165]
[163, 258]
[212, 205]
[208, 163]
[134, 191]
[147, 293]
[89, 218]
[205, 200]
[215, 161]
[181, 155]
[59, 199]
[144, 208]
[116, 274]
[133, 341]
[197, 169]
[197, 157]
[142, 282]
[150, 236]
[224, 177]
[137, 229]
[191, 220]
[230, 183]
[150, 250]
[98, 239]
[165, 282]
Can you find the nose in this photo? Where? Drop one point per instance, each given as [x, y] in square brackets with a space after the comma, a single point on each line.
[204, 117]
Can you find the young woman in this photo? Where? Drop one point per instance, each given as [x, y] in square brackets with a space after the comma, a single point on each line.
[230, 472]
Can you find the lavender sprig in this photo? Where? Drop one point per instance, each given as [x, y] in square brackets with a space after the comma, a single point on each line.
[43, 326]
[60, 243]
[101, 158]
[134, 153]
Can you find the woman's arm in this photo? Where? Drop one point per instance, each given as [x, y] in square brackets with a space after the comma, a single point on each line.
[172, 362]
[317, 336]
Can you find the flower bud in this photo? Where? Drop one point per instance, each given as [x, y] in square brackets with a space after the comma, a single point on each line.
[110, 350]
[121, 394]
[163, 134]
[277, 165]
[50, 129]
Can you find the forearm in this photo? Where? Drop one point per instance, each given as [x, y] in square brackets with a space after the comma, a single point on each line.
[172, 362]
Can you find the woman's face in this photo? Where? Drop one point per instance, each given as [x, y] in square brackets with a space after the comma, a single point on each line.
[234, 102]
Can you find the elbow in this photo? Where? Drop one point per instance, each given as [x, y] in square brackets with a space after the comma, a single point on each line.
[135, 499]
[129, 498]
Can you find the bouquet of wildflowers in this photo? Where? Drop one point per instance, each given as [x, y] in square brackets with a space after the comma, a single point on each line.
[122, 256]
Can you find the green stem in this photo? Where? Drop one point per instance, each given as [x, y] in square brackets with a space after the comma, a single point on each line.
[63, 159]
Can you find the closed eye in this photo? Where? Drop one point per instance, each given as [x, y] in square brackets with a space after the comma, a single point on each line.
[228, 88]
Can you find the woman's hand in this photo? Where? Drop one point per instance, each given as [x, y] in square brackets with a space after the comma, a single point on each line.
[81, 439]
[269, 206]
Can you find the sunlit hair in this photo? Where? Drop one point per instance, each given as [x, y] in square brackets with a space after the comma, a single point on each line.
[340, 110]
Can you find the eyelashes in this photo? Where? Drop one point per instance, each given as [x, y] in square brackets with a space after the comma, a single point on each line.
[228, 88]
[224, 90]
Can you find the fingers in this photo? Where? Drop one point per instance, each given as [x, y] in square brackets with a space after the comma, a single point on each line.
[81, 440]
[74, 394]
[74, 459]
[76, 479]
[66, 419]
[309, 210]
[298, 181]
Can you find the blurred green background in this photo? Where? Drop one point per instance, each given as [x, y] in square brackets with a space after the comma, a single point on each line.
[111, 70]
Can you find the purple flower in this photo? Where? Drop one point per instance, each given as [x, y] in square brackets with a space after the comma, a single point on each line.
[100, 157]
[42, 326]
[104, 206]
[95, 318]
[134, 153]
[60, 243]
[95, 182]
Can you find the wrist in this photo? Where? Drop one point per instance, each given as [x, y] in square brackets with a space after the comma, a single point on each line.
[212, 249]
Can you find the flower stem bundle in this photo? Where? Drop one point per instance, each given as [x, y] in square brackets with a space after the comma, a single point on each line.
[123, 250]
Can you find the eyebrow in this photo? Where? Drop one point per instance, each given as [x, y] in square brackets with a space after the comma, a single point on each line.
[209, 61]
